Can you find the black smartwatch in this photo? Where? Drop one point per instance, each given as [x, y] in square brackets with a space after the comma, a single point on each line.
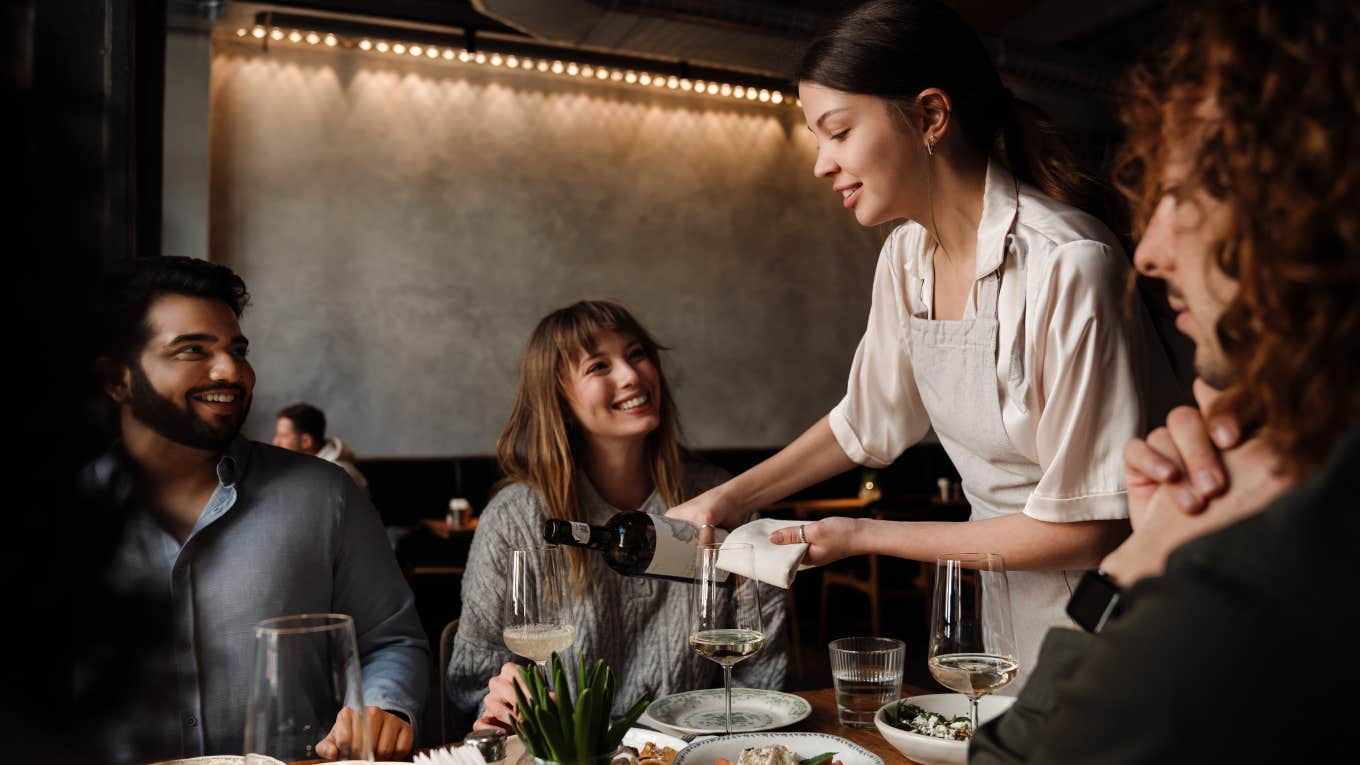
[1095, 601]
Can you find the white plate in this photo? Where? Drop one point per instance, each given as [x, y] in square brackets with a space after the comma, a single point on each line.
[635, 737]
[804, 744]
[929, 750]
[696, 712]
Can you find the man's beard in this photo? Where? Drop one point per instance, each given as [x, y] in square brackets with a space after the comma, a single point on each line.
[183, 426]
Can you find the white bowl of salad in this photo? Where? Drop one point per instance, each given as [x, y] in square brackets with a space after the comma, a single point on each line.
[933, 729]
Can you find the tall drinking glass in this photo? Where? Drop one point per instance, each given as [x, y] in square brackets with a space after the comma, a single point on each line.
[306, 675]
[725, 615]
[972, 644]
[537, 618]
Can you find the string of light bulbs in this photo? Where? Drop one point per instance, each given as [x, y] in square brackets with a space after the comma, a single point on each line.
[639, 77]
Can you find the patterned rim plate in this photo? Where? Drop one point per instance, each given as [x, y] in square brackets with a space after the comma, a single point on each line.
[695, 712]
[803, 744]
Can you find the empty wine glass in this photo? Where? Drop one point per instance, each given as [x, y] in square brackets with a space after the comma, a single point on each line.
[306, 675]
[537, 619]
[972, 644]
[725, 617]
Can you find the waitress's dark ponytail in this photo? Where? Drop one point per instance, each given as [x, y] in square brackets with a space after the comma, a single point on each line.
[895, 49]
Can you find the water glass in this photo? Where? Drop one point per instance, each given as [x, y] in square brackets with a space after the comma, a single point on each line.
[867, 672]
[306, 676]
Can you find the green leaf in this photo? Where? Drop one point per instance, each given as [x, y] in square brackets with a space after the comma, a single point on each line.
[565, 710]
[584, 709]
[617, 731]
[820, 759]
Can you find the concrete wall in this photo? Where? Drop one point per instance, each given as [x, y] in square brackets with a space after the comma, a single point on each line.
[185, 177]
[403, 224]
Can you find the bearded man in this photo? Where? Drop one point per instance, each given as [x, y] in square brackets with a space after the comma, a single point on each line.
[228, 531]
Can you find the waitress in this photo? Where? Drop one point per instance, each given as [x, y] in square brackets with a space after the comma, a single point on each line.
[998, 317]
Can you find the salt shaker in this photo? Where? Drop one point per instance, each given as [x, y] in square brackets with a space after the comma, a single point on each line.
[489, 741]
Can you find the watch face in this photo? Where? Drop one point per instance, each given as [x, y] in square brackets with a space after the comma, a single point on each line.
[1094, 601]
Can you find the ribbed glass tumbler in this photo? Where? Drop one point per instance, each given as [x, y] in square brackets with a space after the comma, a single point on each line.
[868, 674]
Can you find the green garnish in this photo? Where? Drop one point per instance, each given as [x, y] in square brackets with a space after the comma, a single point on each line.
[821, 759]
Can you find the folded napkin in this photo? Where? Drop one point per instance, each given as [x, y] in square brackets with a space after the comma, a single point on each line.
[774, 564]
[454, 755]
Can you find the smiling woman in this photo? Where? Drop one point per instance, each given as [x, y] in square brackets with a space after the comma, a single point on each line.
[997, 319]
[594, 432]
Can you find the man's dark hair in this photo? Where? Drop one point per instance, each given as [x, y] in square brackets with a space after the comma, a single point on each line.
[307, 419]
[125, 327]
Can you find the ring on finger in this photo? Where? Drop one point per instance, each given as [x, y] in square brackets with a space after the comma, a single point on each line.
[802, 534]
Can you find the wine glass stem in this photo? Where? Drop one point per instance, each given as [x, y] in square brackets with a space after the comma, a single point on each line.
[972, 712]
[727, 693]
[543, 670]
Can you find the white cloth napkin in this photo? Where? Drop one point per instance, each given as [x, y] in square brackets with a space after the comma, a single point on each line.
[454, 755]
[774, 564]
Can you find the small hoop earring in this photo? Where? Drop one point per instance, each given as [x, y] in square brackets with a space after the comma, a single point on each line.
[930, 147]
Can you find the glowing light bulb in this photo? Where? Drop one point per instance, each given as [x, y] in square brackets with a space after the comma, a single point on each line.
[712, 88]
[449, 54]
[672, 82]
[543, 66]
[750, 94]
[480, 58]
[615, 75]
[432, 52]
[686, 85]
[572, 69]
[630, 77]
[601, 74]
[764, 95]
[726, 89]
[587, 71]
[557, 67]
[381, 46]
[777, 97]
[398, 49]
[313, 38]
[416, 50]
[659, 81]
[241, 32]
[526, 63]
[739, 92]
[511, 62]
[277, 34]
[645, 79]
[464, 56]
[365, 45]
[258, 32]
[332, 41]
[496, 59]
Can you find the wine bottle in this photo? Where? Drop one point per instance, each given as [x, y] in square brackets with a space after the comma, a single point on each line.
[636, 543]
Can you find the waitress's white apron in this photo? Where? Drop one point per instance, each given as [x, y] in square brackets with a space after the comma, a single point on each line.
[955, 369]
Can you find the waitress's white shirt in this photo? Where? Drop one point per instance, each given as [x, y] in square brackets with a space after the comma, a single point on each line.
[1071, 360]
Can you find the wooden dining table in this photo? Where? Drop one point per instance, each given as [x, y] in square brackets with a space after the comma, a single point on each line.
[825, 720]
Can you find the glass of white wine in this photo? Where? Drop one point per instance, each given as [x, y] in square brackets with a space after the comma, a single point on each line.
[725, 615]
[537, 614]
[972, 644]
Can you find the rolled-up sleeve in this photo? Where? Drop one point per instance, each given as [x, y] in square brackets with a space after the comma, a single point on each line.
[393, 650]
[1088, 352]
[882, 413]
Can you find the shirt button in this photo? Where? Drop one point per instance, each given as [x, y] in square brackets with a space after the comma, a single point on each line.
[190, 720]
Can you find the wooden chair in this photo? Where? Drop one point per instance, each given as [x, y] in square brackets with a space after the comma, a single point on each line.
[445, 651]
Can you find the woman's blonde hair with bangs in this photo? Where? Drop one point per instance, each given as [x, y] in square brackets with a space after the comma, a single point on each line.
[542, 447]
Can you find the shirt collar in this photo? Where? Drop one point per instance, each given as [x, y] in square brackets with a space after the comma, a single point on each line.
[231, 468]
[1000, 208]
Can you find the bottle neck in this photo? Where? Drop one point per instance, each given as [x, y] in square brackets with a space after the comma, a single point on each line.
[576, 534]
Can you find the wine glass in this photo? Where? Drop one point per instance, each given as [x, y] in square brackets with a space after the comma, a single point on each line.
[306, 676]
[725, 617]
[972, 645]
[537, 622]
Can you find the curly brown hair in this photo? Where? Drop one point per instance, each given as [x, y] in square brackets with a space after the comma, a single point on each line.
[1281, 149]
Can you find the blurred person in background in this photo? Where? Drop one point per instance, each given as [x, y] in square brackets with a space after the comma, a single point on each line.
[301, 427]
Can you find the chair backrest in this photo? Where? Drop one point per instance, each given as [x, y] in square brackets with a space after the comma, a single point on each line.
[445, 651]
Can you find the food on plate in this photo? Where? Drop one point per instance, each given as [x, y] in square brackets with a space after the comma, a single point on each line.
[777, 754]
[914, 719]
[652, 754]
